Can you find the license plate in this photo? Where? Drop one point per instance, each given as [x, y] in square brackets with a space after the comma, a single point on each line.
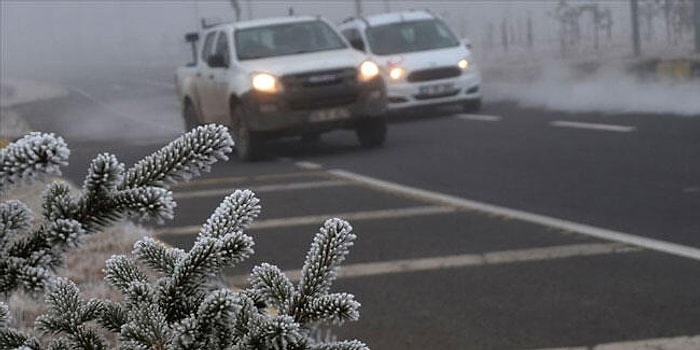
[437, 89]
[324, 115]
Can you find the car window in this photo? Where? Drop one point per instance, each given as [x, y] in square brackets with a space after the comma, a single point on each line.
[206, 49]
[286, 39]
[222, 47]
[410, 36]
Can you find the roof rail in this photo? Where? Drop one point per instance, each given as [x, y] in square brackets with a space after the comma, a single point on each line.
[211, 22]
[361, 18]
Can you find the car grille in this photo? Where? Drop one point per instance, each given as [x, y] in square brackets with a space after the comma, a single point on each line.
[294, 82]
[434, 74]
[321, 89]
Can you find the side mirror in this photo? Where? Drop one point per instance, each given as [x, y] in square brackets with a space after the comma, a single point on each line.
[191, 37]
[217, 61]
[467, 43]
[357, 44]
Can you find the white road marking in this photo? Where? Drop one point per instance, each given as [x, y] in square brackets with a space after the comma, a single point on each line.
[239, 179]
[674, 343]
[479, 117]
[466, 260]
[593, 126]
[309, 165]
[319, 219]
[262, 189]
[466, 204]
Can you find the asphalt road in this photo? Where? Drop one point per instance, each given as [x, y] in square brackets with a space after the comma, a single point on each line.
[475, 232]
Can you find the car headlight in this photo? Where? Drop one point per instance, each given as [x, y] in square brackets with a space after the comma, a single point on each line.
[463, 64]
[396, 73]
[265, 82]
[368, 71]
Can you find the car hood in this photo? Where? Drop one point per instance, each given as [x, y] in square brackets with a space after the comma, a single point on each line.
[412, 61]
[306, 62]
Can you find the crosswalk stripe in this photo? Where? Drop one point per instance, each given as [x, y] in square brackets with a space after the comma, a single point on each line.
[466, 260]
[319, 219]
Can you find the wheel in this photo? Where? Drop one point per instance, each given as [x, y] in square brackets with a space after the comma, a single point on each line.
[472, 105]
[371, 132]
[189, 114]
[247, 143]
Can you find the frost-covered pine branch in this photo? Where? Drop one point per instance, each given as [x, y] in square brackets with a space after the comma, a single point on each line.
[109, 193]
[172, 298]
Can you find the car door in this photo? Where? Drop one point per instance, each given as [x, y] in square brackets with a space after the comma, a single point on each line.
[205, 80]
[219, 79]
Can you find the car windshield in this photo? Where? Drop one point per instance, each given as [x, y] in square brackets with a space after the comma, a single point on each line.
[286, 39]
[410, 36]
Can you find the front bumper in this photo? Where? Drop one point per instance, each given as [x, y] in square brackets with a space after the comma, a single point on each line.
[314, 109]
[406, 95]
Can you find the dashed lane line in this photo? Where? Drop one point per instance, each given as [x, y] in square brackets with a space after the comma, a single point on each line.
[466, 204]
[262, 189]
[479, 117]
[592, 126]
[467, 260]
[319, 219]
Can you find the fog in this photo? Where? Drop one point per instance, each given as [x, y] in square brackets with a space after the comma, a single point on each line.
[40, 39]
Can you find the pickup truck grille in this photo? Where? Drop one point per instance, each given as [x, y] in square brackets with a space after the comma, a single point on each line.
[321, 89]
[434, 74]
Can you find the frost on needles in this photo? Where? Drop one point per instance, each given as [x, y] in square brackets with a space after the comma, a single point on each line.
[171, 297]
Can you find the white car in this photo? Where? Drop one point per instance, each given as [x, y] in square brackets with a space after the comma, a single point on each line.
[277, 77]
[423, 62]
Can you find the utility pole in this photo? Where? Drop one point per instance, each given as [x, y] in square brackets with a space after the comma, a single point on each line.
[358, 8]
[697, 26]
[634, 7]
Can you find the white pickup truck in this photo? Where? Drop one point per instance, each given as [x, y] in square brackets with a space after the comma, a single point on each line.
[276, 77]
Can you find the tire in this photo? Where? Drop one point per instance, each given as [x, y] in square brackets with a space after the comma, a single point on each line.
[472, 106]
[371, 132]
[247, 143]
[189, 114]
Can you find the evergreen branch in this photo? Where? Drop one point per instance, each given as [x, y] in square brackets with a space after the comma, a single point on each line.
[14, 216]
[187, 156]
[273, 286]
[57, 202]
[234, 248]
[12, 338]
[328, 250]
[157, 255]
[104, 175]
[121, 272]
[146, 203]
[336, 308]
[235, 213]
[148, 327]
[34, 155]
[113, 317]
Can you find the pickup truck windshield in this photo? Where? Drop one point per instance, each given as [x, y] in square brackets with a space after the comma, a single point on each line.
[410, 36]
[286, 39]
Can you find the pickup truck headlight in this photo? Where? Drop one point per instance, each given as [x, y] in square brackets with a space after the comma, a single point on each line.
[463, 64]
[265, 82]
[368, 71]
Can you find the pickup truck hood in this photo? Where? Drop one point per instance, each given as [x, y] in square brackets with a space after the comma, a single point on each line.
[306, 62]
[412, 61]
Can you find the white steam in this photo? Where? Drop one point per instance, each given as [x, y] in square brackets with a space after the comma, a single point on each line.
[608, 90]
